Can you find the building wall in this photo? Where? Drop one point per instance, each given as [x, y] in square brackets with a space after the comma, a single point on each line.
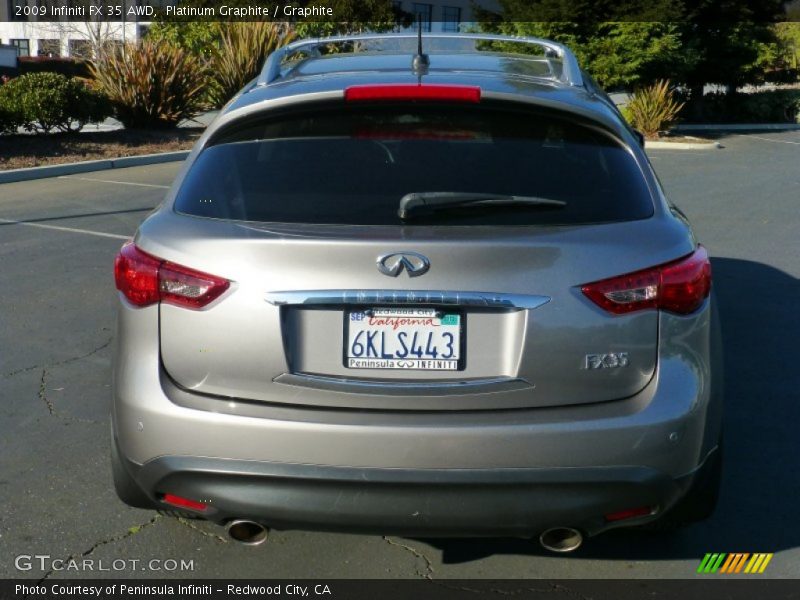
[64, 32]
[29, 31]
[440, 15]
[445, 15]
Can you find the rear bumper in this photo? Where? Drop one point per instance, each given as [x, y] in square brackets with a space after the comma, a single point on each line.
[442, 502]
[455, 473]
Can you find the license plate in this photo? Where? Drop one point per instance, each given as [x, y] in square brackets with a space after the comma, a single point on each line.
[403, 338]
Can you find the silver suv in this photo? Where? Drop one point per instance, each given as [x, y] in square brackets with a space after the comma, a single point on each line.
[435, 294]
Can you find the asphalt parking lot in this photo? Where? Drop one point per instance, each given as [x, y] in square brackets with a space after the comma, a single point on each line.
[58, 237]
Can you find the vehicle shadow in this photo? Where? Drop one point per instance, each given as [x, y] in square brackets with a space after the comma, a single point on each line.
[757, 511]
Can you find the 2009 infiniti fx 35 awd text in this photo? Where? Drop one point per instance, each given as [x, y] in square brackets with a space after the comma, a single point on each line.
[436, 295]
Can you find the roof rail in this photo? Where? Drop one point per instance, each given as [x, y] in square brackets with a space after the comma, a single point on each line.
[570, 71]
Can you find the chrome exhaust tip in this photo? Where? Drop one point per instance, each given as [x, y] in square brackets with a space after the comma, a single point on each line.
[247, 532]
[561, 539]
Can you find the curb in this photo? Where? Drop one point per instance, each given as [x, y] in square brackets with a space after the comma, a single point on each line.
[656, 145]
[14, 175]
[738, 127]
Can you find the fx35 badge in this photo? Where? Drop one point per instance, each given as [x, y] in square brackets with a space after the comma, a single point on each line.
[612, 360]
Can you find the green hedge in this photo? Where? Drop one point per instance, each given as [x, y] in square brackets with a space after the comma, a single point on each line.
[69, 67]
[46, 102]
[772, 106]
[7, 122]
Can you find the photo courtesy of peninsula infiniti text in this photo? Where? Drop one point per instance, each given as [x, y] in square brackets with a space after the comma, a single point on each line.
[424, 287]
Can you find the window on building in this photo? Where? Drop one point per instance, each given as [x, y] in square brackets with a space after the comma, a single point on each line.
[424, 12]
[23, 47]
[451, 18]
[49, 48]
[80, 49]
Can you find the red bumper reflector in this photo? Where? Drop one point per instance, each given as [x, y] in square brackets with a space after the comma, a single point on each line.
[184, 503]
[630, 513]
[413, 91]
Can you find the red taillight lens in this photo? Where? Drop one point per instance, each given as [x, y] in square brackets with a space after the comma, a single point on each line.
[413, 91]
[678, 287]
[686, 283]
[136, 274]
[145, 280]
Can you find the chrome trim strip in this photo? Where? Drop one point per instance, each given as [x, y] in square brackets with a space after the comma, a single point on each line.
[406, 297]
[394, 387]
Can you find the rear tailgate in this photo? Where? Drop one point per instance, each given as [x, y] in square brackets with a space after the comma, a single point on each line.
[244, 344]
[505, 283]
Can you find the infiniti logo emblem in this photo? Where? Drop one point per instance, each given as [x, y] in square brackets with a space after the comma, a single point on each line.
[414, 264]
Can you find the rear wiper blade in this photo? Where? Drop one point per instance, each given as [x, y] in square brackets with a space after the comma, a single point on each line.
[431, 201]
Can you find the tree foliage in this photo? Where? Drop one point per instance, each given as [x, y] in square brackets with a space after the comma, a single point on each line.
[724, 40]
[628, 44]
[196, 37]
[351, 16]
[241, 54]
[620, 43]
[787, 55]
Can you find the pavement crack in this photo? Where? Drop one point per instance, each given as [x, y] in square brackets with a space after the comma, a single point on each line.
[428, 574]
[66, 361]
[193, 527]
[110, 540]
[43, 393]
[51, 408]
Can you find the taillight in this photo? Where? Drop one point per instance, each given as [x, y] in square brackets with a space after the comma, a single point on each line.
[678, 287]
[144, 279]
[413, 91]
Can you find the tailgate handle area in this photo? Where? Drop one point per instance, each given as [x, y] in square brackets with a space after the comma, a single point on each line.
[406, 298]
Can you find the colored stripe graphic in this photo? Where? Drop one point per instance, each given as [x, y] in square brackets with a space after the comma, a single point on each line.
[765, 563]
[731, 560]
[703, 563]
[711, 563]
[721, 562]
[741, 562]
[758, 563]
[734, 563]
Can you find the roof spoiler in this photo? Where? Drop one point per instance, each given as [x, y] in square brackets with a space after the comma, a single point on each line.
[570, 70]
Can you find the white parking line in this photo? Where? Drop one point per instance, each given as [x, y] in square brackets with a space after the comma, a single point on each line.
[68, 229]
[152, 185]
[756, 137]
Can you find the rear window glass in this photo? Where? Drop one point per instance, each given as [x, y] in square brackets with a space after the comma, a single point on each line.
[353, 165]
